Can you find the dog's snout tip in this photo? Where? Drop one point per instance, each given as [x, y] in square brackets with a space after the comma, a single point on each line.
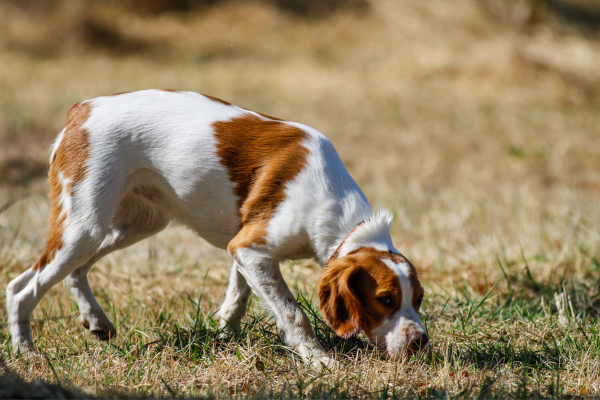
[418, 341]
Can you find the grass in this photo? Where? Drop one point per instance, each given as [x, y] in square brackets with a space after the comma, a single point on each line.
[482, 138]
[486, 346]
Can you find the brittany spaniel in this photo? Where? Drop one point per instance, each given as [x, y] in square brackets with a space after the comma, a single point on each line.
[266, 190]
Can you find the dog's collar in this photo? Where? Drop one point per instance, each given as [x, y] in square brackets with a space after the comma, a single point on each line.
[336, 253]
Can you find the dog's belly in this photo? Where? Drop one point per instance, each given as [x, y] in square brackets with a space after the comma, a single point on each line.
[204, 193]
[204, 198]
[212, 212]
[206, 204]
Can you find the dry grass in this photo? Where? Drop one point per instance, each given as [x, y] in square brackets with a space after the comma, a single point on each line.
[484, 139]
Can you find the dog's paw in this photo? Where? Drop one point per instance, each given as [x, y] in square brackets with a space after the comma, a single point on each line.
[324, 361]
[23, 347]
[227, 329]
[100, 330]
[104, 333]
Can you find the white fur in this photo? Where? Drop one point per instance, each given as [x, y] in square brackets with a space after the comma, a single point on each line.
[375, 232]
[396, 332]
[166, 140]
[55, 145]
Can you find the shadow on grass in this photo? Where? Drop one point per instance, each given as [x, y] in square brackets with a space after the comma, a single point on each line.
[481, 327]
[493, 355]
[13, 387]
[202, 339]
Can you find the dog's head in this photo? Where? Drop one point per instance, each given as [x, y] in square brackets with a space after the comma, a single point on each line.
[377, 292]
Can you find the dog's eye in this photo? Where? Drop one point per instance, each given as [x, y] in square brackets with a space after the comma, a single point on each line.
[385, 300]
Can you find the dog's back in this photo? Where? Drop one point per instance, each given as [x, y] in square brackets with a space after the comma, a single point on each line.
[151, 156]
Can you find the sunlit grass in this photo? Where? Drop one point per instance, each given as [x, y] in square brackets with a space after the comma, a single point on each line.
[482, 139]
[512, 340]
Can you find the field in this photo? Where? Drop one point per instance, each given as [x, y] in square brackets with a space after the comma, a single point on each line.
[480, 131]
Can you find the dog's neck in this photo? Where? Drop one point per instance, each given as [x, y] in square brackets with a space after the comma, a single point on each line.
[372, 231]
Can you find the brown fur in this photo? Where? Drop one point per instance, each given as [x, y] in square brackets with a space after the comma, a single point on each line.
[350, 286]
[229, 104]
[69, 160]
[336, 253]
[217, 100]
[338, 300]
[418, 291]
[269, 117]
[399, 258]
[261, 158]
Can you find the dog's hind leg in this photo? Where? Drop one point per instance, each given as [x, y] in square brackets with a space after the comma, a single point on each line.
[79, 240]
[80, 216]
[236, 300]
[138, 216]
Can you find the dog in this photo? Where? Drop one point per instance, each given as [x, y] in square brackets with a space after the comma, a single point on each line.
[267, 190]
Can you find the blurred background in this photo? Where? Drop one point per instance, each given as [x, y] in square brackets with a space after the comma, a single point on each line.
[476, 121]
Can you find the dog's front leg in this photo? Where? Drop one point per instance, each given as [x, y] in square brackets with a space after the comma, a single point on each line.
[265, 279]
[236, 300]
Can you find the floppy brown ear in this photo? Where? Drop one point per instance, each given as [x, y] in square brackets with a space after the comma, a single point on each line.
[338, 301]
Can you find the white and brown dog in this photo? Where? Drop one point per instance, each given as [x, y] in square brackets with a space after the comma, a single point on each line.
[265, 189]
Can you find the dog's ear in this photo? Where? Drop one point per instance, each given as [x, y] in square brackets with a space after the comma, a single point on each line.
[337, 298]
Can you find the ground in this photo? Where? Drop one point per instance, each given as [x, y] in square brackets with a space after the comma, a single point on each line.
[483, 138]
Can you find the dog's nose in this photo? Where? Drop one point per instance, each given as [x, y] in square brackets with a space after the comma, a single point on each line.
[418, 341]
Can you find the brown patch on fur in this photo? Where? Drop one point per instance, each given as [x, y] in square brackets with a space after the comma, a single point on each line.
[349, 291]
[69, 162]
[217, 100]
[248, 236]
[117, 94]
[336, 253]
[261, 158]
[395, 257]
[351, 286]
[269, 117]
[264, 115]
[170, 90]
[417, 289]
[229, 104]
[72, 153]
